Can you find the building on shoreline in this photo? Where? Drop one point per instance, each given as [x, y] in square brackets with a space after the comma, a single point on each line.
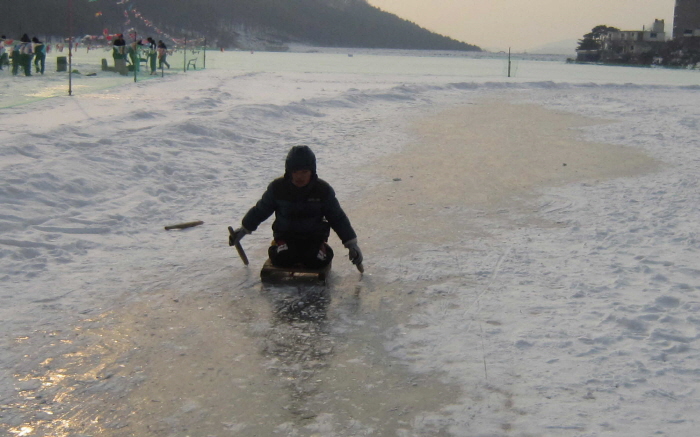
[648, 46]
[633, 45]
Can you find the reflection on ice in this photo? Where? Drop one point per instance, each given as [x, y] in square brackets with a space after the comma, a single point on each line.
[297, 344]
[298, 302]
[22, 431]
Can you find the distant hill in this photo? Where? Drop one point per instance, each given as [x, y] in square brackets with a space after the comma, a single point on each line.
[229, 23]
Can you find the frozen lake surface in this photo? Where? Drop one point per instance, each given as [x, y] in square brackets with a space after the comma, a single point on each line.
[531, 248]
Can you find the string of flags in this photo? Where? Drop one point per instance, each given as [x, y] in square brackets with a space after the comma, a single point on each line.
[131, 10]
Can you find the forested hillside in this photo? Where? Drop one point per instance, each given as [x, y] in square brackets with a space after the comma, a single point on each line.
[330, 23]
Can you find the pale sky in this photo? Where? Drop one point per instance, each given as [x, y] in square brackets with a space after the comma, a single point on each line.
[526, 24]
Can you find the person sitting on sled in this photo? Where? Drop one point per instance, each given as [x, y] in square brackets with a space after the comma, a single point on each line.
[306, 209]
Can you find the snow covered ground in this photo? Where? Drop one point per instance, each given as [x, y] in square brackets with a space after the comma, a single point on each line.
[531, 249]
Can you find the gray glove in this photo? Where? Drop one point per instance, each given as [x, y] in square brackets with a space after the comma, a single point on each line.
[354, 252]
[236, 236]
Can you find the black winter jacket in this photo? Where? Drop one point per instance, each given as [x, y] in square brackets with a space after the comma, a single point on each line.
[308, 212]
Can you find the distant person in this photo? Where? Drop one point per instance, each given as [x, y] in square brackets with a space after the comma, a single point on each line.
[162, 54]
[119, 54]
[4, 59]
[152, 49]
[135, 54]
[14, 56]
[26, 53]
[39, 55]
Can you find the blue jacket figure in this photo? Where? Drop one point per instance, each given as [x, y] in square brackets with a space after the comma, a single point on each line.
[23, 54]
[306, 209]
[152, 54]
[39, 55]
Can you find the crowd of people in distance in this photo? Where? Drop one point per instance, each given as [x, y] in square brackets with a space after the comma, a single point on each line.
[22, 53]
[132, 54]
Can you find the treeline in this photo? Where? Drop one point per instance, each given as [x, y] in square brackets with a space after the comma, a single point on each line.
[329, 23]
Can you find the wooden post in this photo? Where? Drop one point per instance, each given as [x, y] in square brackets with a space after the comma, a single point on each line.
[70, 48]
[508, 61]
[184, 53]
[137, 61]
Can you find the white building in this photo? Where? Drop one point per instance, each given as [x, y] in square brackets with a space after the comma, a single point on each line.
[632, 43]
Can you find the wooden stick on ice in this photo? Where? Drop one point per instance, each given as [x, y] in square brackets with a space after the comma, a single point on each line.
[184, 225]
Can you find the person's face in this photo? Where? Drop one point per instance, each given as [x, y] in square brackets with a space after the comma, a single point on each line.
[301, 178]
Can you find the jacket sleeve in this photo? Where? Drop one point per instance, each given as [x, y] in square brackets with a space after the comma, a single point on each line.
[337, 218]
[261, 211]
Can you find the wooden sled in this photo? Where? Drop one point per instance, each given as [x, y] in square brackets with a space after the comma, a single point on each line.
[270, 273]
